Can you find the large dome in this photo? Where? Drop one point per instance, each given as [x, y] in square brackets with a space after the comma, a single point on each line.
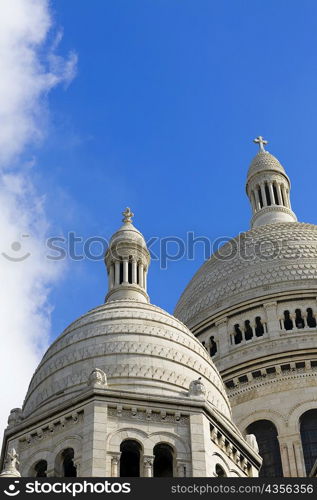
[264, 261]
[141, 349]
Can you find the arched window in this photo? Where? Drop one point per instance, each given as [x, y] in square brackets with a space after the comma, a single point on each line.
[238, 335]
[299, 322]
[248, 332]
[213, 346]
[288, 323]
[69, 468]
[220, 472]
[41, 469]
[163, 461]
[311, 320]
[266, 436]
[259, 328]
[130, 458]
[308, 431]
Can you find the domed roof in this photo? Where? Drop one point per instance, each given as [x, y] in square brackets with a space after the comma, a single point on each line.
[264, 161]
[141, 348]
[264, 261]
[127, 232]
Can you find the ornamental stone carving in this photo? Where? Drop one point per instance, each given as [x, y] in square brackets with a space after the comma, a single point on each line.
[197, 389]
[97, 378]
[11, 465]
[15, 417]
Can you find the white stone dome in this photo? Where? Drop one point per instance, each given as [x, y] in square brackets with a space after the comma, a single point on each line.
[263, 262]
[141, 348]
[265, 161]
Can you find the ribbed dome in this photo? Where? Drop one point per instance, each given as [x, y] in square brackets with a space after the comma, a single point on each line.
[264, 161]
[264, 261]
[141, 349]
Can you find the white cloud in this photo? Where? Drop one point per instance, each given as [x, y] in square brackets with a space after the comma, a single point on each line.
[29, 69]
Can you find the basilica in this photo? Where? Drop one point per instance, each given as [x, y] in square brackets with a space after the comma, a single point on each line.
[227, 386]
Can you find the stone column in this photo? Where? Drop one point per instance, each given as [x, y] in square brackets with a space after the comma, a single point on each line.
[125, 271]
[115, 461]
[284, 195]
[273, 325]
[284, 457]
[117, 273]
[222, 337]
[271, 193]
[134, 272]
[141, 276]
[145, 280]
[263, 195]
[148, 461]
[292, 456]
[279, 194]
[200, 445]
[111, 276]
[257, 199]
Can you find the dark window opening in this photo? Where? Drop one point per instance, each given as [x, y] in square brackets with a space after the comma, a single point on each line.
[121, 272]
[283, 199]
[130, 271]
[238, 335]
[41, 469]
[220, 472]
[311, 320]
[230, 384]
[270, 370]
[130, 458]
[308, 431]
[213, 346]
[163, 461]
[243, 379]
[259, 328]
[256, 374]
[285, 368]
[248, 332]
[138, 274]
[68, 463]
[275, 195]
[260, 197]
[299, 321]
[267, 194]
[266, 436]
[288, 322]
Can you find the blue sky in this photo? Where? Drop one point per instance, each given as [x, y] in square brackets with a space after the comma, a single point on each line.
[160, 117]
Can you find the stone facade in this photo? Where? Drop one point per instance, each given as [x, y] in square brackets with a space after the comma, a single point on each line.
[253, 305]
[125, 380]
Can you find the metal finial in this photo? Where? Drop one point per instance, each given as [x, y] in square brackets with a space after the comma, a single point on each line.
[127, 214]
[261, 142]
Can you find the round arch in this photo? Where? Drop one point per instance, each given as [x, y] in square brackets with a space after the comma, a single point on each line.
[297, 411]
[275, 417]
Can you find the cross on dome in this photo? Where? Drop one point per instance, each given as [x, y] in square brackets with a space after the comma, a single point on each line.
[261, 142]
[127, 214]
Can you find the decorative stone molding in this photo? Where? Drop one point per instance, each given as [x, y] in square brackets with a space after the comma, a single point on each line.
[251, 440]
[56, 426]
[229, 449]
[144, 414]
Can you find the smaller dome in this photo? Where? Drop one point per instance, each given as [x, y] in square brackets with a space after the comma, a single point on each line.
[127, 232]
[264, 161]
